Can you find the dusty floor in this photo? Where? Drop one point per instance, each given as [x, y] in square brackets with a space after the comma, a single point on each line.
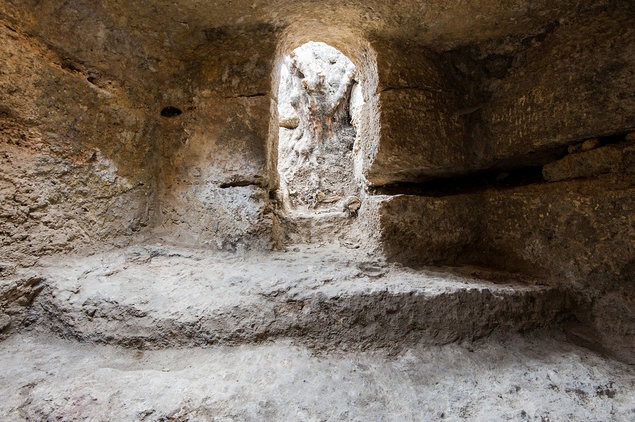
[156, 332]
[538, 378]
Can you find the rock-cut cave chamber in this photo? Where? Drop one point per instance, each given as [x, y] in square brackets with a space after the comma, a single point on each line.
[317, 211]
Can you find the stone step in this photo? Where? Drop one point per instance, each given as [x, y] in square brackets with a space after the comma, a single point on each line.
[157, 296]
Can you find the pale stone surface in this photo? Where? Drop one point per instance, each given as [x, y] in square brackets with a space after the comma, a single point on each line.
[315, 158]
[158, 296]
[508, 378]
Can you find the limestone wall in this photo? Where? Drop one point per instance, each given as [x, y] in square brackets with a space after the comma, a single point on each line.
[573, 82]
[508, 107]
[420, 133]
[578, 232]
[75, 163]
[203, 172]
[214, 170]
[508, 102]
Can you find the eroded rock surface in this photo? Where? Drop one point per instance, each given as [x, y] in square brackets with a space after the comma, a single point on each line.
[509, 378]
[159, 296]
[316, 137]
[64, 183]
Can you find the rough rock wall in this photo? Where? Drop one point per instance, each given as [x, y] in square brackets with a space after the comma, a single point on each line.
[507, 102]
[574, 81]
[214, 170]
[527, 103]
[578, 231]
[569, 230]
[74, 161]
[87, 156]
[205, 169]
[421, 133]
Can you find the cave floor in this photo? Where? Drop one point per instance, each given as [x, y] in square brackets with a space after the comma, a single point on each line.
[316, 332]
[511, 377]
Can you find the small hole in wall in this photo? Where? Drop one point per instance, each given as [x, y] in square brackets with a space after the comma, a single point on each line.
[171, 111]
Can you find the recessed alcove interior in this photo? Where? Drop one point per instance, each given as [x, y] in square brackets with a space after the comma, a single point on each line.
[319, 102]
[323, 133]
[166, 187]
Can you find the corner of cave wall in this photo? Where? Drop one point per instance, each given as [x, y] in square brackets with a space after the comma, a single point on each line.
[420, 133]
[75, 163]
[571, 82]
[544, 185]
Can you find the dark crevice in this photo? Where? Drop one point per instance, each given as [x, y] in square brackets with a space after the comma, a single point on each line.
[5, 112]
[491, 179]
[68, 65]
[256, 94]
[171, 111]
[469, 110]
[239, 183]
[227, 33]
[611, 139]
[535, 158]
[545, 31]
[409, 88]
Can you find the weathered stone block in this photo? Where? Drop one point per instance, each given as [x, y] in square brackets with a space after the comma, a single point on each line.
[585, 164]
[581, 231]
[430, 231]
[420, 138]
[421, 134]
[564, 88]
[571, 230]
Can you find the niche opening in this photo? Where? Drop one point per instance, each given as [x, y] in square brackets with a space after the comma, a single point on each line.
[319, 102]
